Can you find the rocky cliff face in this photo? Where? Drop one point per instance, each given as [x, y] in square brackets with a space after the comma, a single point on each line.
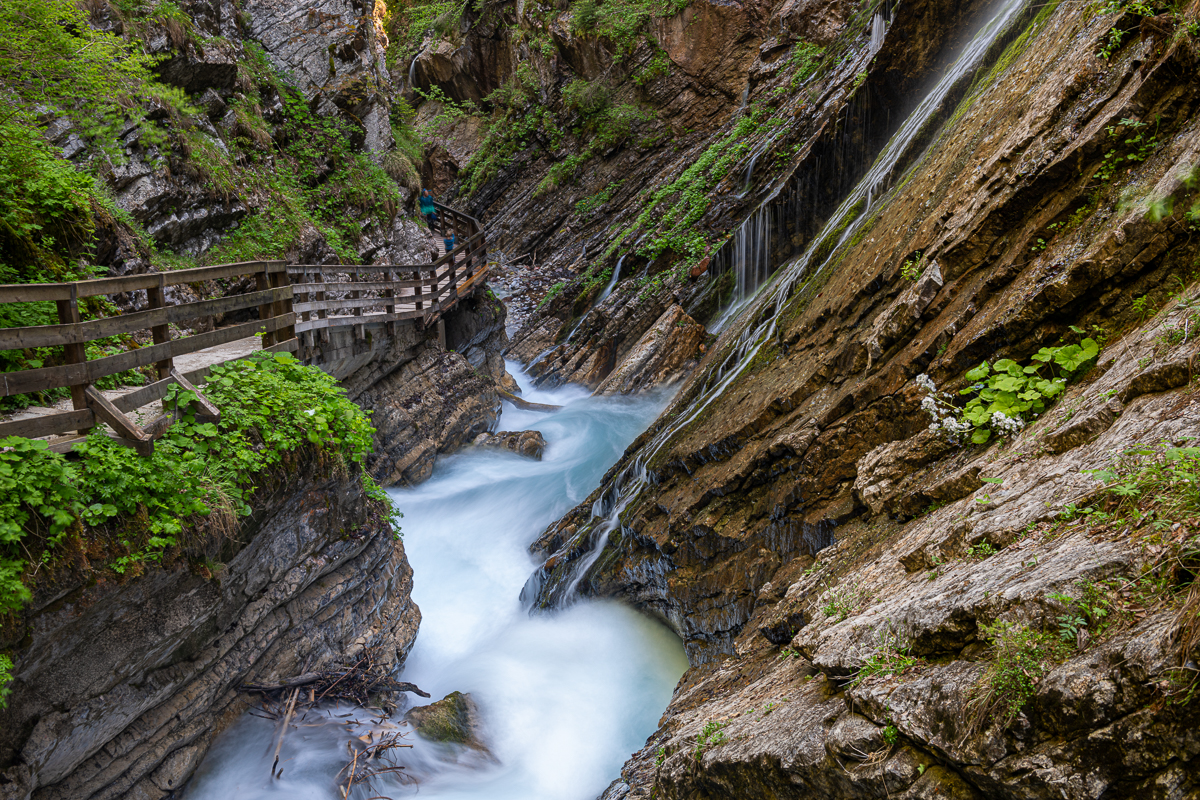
[874, 611]
[428, 399]
[119, 688]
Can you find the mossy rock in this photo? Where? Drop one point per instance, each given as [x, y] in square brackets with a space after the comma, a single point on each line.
[453, 720]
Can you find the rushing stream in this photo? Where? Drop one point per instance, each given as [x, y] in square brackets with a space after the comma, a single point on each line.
[565, 696]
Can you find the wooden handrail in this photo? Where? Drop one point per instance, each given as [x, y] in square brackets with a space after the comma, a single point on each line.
[298, 308]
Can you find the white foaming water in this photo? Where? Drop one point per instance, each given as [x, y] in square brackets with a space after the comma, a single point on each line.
[566, 696]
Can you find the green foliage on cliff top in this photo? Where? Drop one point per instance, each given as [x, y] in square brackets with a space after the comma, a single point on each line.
[621, 21]
[201, 476]
[52, 63]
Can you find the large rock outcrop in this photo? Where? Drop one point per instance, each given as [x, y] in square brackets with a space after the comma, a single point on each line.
[119, 688]
[792, 495]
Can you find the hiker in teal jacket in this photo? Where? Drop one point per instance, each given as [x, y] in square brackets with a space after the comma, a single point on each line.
[427, 209]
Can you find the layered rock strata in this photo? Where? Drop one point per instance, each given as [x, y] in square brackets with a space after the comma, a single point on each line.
[119, 688]
[792, 495]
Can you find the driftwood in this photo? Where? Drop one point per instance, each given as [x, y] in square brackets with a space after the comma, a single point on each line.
[358, 683]
[525, 404]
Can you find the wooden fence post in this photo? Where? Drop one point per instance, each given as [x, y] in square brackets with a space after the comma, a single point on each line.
[266, 310]
[280, 280]
[76, 353]
[390, 306]
[156, 297]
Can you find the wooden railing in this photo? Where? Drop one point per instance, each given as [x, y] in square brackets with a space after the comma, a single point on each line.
[329, 297]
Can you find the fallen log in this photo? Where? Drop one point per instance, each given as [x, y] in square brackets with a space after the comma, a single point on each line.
[316, 677]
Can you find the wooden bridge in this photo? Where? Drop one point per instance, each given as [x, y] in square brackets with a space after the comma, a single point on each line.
[307, 310]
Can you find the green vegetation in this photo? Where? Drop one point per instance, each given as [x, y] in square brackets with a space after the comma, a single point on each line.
[891, 657]
[588, 206]
[1139, 145]
[1116, 35]
[805, 58]
[408, 22]
[844, 600]
[911, 269]
[1005, 396]
[1020, 657]
[671, 226]
[6, 666]
[621, 21]
[711, 736]
[554, 292]
[50, 57]
[891, 734]
[128, 511]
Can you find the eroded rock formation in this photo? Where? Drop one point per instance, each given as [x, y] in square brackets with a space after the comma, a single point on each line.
[119, 688]
[794, 519]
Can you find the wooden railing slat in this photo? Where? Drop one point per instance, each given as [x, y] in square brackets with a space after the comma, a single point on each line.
[81, 332]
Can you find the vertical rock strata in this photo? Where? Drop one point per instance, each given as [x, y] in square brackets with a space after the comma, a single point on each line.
[119, 689]
[800, 526]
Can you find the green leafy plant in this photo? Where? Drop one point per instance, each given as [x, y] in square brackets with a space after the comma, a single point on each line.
[6, 666]
[805, 58]
[981, 550]
[911, 269]
[891, 657]
[891, 734]
[711, 735]
[1004, 396]
[1020, 656]
[554, 292]
[201, 474]
[1139, 146]
[844, 600]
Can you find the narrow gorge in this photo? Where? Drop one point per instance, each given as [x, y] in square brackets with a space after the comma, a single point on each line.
[821, 422]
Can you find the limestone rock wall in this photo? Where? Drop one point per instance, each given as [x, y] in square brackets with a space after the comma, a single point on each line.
[426, 399]
[798, 521]
[119, 688]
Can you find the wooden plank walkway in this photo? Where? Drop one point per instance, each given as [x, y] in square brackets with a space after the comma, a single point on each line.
[298, 308]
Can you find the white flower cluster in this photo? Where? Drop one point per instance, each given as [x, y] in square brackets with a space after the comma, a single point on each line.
[1004, 425]
[943, 412]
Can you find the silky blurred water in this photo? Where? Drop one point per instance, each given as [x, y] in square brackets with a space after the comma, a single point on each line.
[566, 696]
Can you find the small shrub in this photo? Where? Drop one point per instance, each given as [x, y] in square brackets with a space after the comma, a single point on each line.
[1005, 396]
[711, 736]
[891, 657]
[1020, 656]
[587, 97]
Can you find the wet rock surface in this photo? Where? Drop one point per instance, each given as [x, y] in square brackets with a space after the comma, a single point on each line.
[452, 720]
[799, 525]
[434, 404]
[530, 444]
[119, 689]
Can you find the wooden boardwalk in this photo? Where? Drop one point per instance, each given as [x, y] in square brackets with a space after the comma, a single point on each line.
[298, 309]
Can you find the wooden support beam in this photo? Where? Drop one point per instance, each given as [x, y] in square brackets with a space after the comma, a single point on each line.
[125, 427]
[265, 311]
[205, 411]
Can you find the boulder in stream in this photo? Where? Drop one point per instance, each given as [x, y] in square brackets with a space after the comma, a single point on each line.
[452, 720]
[530, 444]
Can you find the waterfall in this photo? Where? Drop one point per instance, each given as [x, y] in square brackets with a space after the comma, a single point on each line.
[613, 282]
[412, 72]
[878, 29]
[749, 258]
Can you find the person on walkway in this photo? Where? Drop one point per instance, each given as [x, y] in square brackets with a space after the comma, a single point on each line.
[427, 208]
[449, 242]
